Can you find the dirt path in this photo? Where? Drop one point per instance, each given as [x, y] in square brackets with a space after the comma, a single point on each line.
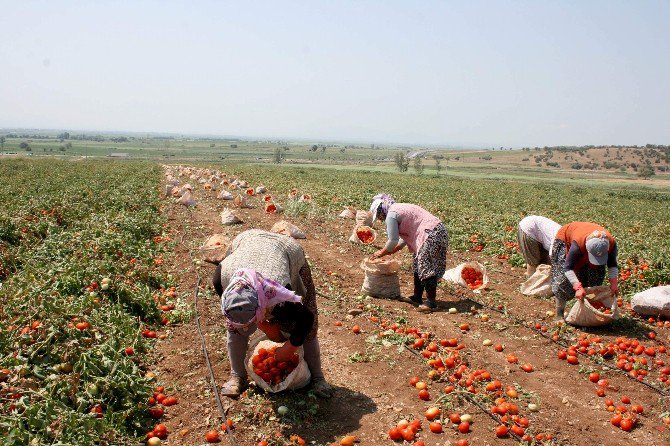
[372, 393]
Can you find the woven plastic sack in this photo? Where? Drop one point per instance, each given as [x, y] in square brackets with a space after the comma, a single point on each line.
[348, 212]
[187, 199]
[453, 275]
[539, 284]
[360, 232]
[215, 248]
[652, 302]
[228, 217]
[286, 228]
[297, 379]
[381, 278]
[241, 202]
[584, 312]
[363, 218]
[224, 195]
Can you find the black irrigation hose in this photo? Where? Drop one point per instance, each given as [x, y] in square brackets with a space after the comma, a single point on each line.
[222, 411]
[545, 335]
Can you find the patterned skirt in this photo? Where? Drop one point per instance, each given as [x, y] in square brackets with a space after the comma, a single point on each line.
[589, 275]
[431, 260]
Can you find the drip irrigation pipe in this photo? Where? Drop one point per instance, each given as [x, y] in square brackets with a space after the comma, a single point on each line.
[222, 411]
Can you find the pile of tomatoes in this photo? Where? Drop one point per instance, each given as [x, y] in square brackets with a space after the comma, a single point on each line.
[365, 234]
[472, 277]
[269, 369]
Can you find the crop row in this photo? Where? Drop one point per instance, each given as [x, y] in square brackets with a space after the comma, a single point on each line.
[80, 254]
[481, 215]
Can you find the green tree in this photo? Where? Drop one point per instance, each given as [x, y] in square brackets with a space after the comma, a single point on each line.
[438, 165]
[2, 142]
[418, 165]
[277, 156]
[401, 162]
[646, 172]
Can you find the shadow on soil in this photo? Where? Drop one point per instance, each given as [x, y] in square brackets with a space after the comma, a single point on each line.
[324, 420]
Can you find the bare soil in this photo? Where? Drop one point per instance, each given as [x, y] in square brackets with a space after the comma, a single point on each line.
[371, 382]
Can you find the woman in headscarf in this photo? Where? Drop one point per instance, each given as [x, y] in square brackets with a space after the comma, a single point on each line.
[535, 236]
[423, 234]
[265, 282]
[579, 254]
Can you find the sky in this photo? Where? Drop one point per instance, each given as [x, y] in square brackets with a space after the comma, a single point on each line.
[462, 73]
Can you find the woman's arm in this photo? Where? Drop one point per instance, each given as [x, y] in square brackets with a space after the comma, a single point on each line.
[574, 254]
[394, 242]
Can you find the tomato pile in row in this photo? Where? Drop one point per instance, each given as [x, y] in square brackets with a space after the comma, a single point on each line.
[630, 354]
[269, 368]
[447, 364]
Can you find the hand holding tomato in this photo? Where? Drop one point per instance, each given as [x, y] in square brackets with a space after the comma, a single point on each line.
[614, 287]
[285, 352]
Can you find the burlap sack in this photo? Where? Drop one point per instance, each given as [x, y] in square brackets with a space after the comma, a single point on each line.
[652, 302]
[584, 314]
[539, 284]
[297, 379]
[215, 248]
[453, 275]
[381, 278]
[286, 228]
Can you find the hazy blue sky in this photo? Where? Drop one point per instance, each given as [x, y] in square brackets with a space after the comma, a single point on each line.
[470, 72]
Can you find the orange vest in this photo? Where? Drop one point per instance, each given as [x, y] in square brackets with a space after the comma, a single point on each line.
[577, 231]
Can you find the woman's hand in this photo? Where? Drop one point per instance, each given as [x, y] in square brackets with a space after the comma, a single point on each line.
[378, 254]
[285, 352]
[614, 286]
[272, 331]
[579, 291]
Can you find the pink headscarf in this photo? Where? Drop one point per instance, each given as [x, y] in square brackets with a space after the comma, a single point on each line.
[247, 288]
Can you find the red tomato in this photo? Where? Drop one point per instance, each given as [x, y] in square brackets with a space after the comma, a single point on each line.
[527, 368]
[594, 377]
[435, 427]
[464, 427]
[395, 434]
[455, 418]
[424, 395]
[501, 431]
[626, 424]
[212, 437]
[432, 413]
[625, 399]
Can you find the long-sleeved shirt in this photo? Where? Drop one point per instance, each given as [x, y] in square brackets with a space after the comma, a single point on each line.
[409, 222]
[575, 255]
[540, 228]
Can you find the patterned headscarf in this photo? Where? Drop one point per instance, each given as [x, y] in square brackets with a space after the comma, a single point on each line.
[249, 295]
[380, 206]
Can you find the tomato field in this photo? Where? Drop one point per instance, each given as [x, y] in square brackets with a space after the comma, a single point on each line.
[98, 346]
